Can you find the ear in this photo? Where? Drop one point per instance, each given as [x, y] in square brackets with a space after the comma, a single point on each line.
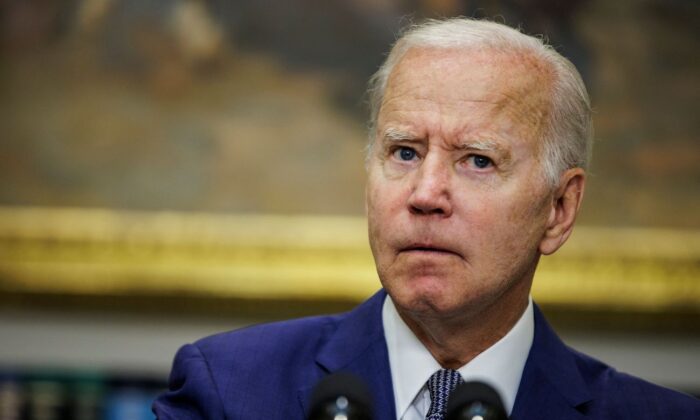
[566, 203]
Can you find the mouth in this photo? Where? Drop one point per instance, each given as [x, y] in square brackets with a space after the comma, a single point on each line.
[427, 250]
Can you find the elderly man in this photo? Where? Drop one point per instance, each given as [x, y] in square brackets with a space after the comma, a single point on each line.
[476, 167]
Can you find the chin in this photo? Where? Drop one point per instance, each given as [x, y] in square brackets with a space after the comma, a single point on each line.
[425, 296]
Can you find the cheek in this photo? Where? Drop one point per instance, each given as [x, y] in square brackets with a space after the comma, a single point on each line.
[385, 197]
[532, 209]
[525, 226]
[381, 211]
[505, 221]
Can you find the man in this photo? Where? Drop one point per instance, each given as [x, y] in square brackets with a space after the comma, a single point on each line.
[476, 167]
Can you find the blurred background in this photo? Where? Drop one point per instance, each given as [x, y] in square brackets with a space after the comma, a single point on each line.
[174, 168]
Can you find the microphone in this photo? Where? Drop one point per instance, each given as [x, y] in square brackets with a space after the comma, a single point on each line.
[340, 396]
[475, 401]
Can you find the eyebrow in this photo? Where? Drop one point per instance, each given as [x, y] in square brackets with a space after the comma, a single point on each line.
[482, 145]
[395, 134]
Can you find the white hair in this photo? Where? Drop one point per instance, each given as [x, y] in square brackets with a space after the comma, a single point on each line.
[568, 131]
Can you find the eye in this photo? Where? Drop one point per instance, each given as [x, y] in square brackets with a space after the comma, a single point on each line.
[405, 153]
[480, 161]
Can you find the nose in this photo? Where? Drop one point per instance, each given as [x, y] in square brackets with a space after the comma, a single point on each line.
[430, 194]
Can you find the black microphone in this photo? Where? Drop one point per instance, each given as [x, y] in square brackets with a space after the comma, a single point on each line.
[475, 401]
[340, 396]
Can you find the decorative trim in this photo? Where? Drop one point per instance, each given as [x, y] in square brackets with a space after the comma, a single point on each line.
[90, 252]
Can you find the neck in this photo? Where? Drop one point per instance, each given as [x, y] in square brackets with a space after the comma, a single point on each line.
[455, 341]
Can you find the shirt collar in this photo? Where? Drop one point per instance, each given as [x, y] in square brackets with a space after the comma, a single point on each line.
[501, 365]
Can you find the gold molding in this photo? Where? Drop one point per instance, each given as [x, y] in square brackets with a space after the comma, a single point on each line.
[92, 252]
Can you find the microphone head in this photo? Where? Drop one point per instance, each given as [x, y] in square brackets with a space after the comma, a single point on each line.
[340, 396]
[475, 401]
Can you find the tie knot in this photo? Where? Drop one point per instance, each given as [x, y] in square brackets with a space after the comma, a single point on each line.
[440, 385]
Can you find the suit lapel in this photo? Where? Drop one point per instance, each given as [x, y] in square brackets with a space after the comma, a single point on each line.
[551, 385]
[358, 346]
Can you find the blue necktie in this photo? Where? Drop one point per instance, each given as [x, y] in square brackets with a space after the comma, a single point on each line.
[440, 385]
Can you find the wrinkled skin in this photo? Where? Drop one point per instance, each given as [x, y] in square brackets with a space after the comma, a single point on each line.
[459, 210]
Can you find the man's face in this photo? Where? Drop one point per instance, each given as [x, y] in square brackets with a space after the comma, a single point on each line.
[456, 197]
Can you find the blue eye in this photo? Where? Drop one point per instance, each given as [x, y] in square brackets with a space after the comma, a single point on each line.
[405, 153]
[481, 162]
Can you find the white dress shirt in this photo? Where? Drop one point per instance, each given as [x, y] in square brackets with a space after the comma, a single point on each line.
[500, 366]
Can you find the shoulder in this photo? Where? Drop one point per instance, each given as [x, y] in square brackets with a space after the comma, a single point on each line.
[233, 374]
[279, 341]
[570, 380]
[623, 396]
[295, 342]
[209, 376]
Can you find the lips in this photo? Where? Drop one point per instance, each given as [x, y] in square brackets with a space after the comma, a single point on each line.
[427, 249]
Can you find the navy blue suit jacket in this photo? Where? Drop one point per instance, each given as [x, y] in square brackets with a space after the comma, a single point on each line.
[268, 372]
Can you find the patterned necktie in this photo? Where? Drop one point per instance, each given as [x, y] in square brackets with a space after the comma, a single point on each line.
[440, 385]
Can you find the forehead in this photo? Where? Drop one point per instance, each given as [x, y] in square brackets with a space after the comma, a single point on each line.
[471, 84]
